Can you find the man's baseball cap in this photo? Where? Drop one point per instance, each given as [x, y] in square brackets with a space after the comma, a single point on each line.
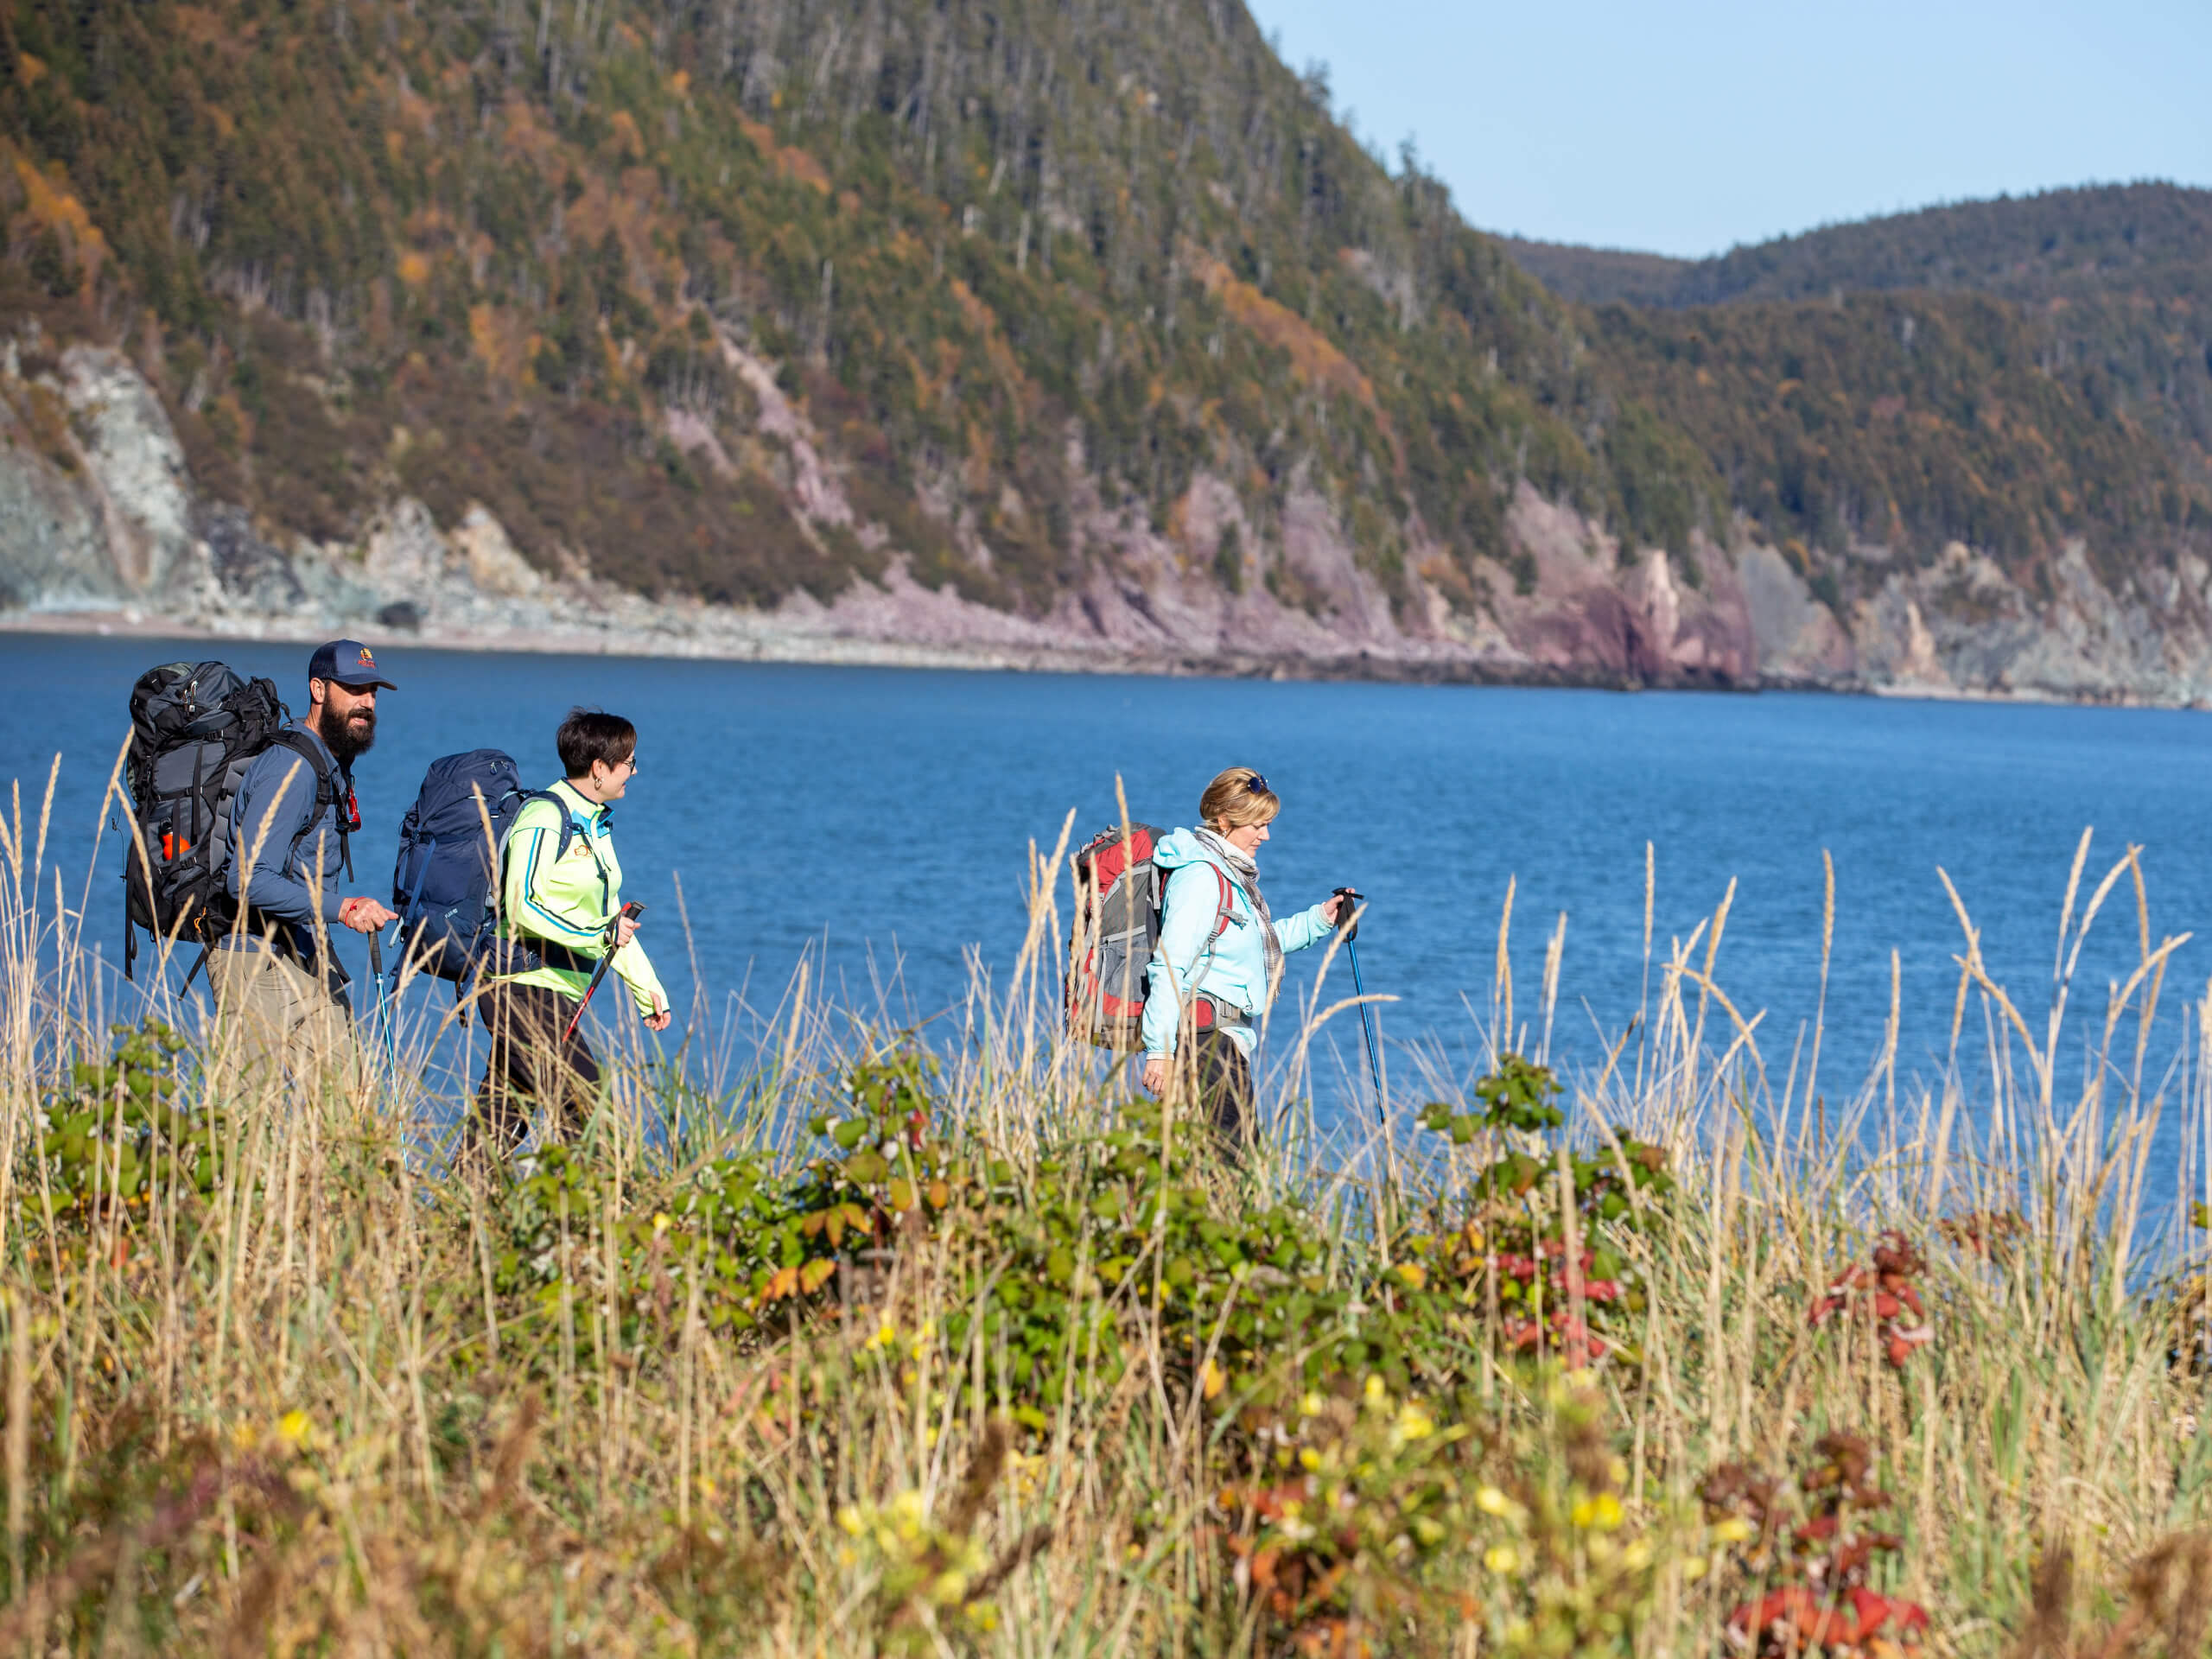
[349, 661]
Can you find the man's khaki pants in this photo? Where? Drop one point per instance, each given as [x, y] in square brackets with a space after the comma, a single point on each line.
[283, 1015]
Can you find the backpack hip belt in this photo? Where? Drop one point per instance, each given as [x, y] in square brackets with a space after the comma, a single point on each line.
[256, 932]
[1211, 1012]
[526, 955]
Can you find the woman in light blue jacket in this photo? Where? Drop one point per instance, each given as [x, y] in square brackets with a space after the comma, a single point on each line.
[1220, 957]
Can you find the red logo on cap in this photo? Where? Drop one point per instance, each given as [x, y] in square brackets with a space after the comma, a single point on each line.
[368, 661]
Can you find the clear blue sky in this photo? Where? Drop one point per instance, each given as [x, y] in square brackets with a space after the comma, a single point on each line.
[1688, 128]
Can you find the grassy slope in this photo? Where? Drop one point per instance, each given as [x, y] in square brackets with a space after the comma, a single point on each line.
[301, 1394]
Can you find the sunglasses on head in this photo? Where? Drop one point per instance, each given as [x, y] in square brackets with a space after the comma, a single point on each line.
[1256, 785]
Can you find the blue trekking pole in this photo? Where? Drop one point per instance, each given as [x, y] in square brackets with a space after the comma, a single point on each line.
[1350, 928]
[384, 1000]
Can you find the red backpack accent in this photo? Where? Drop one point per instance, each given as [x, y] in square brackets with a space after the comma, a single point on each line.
[1120, 893]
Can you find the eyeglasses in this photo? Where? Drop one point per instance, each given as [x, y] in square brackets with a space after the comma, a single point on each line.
[631, 763]
[1257, 785]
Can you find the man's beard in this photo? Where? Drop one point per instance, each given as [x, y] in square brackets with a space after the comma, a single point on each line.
[355, 734]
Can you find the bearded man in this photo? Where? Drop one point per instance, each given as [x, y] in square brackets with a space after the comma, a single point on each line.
[276, 982]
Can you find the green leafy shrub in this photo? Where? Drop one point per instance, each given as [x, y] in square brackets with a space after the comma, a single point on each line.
[124, 1134]
[1369, 1517]
[1545, 1269]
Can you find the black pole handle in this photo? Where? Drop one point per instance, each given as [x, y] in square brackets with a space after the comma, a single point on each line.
[1347, 927]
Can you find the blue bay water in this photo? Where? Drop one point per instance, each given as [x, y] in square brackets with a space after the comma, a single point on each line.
[881, 820]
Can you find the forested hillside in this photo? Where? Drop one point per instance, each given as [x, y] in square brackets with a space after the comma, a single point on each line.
[2152, 239]
[481, 251]
[1040, 305]
[2083, 399]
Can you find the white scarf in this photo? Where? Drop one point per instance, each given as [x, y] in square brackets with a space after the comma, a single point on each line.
[1245, 870]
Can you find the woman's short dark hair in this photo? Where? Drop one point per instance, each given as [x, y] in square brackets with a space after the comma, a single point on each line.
[589, 734]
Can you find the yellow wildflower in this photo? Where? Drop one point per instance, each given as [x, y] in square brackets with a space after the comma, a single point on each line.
[1490, 1501]
[1601, 1512]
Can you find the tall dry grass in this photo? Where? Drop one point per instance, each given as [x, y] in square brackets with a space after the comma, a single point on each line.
[320, 1407]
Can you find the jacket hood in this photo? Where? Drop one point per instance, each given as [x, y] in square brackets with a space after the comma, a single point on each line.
[1180, 846]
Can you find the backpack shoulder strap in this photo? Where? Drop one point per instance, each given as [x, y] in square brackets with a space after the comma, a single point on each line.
[326, 788]
[290, 737]
[1225, 907]
[567, 817]
[562, 811]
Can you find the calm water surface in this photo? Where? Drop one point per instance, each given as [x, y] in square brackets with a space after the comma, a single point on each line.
[880, 819]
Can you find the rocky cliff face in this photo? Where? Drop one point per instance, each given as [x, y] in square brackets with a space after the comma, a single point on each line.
[100, 525]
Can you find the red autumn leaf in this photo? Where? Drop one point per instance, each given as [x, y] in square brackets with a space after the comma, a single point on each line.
[1903, 1342]
[1873, 1610]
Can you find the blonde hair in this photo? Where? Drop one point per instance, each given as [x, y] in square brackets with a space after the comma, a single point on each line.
[1231, 796]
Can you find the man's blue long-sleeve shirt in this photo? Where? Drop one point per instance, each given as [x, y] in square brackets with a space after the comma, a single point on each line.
[278, 791]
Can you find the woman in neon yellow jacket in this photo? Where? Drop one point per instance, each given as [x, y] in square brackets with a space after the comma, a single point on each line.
[560, 904]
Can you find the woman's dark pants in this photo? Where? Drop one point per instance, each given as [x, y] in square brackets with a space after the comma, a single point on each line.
[1224, 1082]
[531, 1064]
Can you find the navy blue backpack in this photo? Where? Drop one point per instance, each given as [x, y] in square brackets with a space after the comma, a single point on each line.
[442, 885]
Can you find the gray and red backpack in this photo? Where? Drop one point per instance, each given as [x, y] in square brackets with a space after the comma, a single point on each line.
[1121, 892]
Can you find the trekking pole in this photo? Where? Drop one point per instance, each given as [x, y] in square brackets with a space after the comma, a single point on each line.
[384, 999]
[632, 910]
[1350, 928]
